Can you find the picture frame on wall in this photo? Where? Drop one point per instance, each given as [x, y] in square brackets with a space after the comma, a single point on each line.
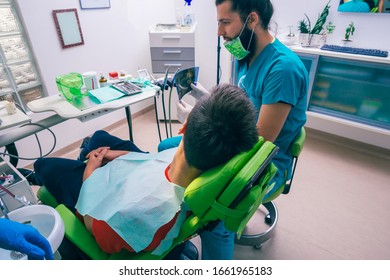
[68, 27]
[95, 4]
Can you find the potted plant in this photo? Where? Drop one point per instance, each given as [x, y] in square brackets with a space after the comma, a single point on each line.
[315, 36]
[349, 31]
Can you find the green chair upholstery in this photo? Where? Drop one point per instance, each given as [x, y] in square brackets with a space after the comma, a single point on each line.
[46, 197]
[231, 192]
[256, 240]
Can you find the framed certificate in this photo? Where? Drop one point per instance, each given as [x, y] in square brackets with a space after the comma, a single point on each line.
[95, 4]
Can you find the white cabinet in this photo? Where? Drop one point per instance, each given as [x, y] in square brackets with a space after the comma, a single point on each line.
[171, 49]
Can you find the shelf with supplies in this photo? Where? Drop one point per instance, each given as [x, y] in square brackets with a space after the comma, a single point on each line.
[349, 95]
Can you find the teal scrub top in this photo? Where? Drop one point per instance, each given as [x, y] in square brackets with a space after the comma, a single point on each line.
[278, 75]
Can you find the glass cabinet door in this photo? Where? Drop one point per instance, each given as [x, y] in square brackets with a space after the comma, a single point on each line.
[310, 61]
[353, 90]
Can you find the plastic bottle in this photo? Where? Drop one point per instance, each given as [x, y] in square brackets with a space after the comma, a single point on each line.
[102, 81]
[188, 15]
[179, 18]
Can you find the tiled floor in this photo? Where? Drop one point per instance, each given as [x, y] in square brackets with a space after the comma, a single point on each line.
[338, 207]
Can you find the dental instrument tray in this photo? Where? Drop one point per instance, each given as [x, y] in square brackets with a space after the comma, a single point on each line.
[127, 88]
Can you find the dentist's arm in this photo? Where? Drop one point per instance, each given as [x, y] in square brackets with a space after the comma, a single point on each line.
[271, 120]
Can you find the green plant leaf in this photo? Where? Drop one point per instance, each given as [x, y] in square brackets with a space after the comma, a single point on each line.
[303, 26]
[321, 20]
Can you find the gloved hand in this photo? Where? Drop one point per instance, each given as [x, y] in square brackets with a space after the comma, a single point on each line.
[183, 110]
[25, 239]
[198, 91]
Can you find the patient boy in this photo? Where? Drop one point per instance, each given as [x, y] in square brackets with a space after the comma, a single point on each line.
[130, 200]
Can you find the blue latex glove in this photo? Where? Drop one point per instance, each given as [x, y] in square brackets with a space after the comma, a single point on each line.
[25, 239]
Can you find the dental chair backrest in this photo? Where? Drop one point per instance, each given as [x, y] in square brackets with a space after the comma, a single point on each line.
[231, 193]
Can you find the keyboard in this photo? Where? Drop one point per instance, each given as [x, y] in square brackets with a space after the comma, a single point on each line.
[127, 88]
[351, 50]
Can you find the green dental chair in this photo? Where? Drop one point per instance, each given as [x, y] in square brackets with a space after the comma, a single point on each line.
[256, 240]
[231, 192]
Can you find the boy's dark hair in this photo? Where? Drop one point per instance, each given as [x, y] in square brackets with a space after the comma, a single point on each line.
[263, 8]
[219, 127]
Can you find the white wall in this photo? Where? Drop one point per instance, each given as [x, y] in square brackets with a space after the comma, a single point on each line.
[115, 38]
[372, 30]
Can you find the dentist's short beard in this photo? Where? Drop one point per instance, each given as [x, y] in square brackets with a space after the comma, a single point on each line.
[245, 39]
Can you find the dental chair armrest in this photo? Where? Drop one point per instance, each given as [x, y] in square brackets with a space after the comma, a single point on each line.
[78, 234]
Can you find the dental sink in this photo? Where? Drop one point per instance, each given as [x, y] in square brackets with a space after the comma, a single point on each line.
[45, 219]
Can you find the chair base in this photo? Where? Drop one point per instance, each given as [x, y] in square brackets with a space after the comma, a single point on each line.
[256, 240]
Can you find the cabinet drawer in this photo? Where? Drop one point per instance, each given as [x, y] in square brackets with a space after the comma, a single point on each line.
[172, 39]
[160, 66]
[172, 53]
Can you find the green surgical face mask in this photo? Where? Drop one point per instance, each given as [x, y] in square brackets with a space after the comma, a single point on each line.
[235, 46]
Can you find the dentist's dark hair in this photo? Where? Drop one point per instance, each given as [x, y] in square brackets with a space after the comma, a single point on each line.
[263, 8]
[219, 127]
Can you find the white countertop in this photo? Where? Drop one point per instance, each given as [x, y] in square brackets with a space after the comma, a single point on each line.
[66, 110]
[318, 51]
[16, 119]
